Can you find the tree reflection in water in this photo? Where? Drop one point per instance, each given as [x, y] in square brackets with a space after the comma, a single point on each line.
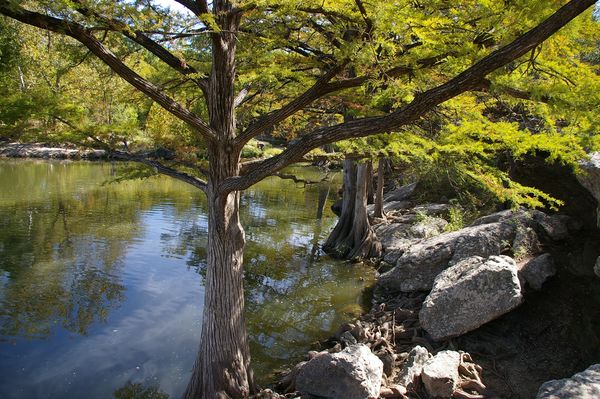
[94, 286]
[139, 391]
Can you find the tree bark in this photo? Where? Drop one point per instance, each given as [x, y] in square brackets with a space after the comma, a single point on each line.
[378, 211]
[222, 367]
[370, 188]
[353, 237]
[337, 243]
[365, 244]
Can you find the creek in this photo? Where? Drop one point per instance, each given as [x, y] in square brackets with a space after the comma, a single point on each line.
[102, 284]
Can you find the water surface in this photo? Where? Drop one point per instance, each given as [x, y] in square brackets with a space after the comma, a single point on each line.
[101, 284]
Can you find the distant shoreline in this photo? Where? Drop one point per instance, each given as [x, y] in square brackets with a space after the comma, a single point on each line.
[42, 151]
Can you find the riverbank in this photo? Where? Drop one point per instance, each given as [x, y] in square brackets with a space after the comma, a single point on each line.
[492, 310]
[42, 151]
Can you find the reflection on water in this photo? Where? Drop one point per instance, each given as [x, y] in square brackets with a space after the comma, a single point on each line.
[101, 285]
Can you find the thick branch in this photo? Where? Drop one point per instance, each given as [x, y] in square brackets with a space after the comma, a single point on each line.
[160, 168]
[85, 37]
[316, 91]
[470, 79]
[143, 40]
[321, 88]
[196, 7]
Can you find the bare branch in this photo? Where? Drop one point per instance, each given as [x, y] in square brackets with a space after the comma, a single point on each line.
[486, 85]
[85, 37]
[470, 79]
[296, 179]
[160, 168]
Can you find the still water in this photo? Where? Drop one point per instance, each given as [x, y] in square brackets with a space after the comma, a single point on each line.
[101, 284]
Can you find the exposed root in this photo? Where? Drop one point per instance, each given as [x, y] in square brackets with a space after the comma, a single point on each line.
[391, 331]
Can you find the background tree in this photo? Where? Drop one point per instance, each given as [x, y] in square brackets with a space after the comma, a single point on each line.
[292, 54]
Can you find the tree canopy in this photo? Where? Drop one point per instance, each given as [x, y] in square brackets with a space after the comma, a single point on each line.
[445, 80]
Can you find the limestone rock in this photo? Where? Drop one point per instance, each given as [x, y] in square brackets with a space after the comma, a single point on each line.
[590, 178]
[354, 373]
[413, 366]
[555, 226]
[401, 193]
[432, 209]
[526, 243]
[470, 294]
[421, 262]
[584, 385]
[537, 270]
[494, 217]
[440, 374]
[427, 228]
[396, 205]
[388, 206]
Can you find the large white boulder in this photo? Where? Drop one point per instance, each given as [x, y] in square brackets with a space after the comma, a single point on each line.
[354, 373]
[470, 294]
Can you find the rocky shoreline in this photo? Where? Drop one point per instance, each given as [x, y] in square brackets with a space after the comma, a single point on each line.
[41, 151]
[495, 309]
[506, 307]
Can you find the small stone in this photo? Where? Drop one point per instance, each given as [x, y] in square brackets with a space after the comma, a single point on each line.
[413, 366]
[348, 339]
[440, 374]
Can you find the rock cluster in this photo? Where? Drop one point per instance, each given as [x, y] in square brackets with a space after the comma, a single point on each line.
[16, 150]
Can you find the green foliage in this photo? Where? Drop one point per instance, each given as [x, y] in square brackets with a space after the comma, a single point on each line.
[456, 218]
[284, 46]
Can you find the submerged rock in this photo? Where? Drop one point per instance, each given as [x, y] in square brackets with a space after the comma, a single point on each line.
[354, 373]
[440, 374]
[597, 267]
[537, 270]
[470, 294]
[582, 385]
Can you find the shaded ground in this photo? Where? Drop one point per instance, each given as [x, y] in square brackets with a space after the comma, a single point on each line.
[554, 334]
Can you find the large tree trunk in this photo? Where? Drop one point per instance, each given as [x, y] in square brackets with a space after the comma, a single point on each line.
[222, 368]
[338, 243]
[353, 236]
